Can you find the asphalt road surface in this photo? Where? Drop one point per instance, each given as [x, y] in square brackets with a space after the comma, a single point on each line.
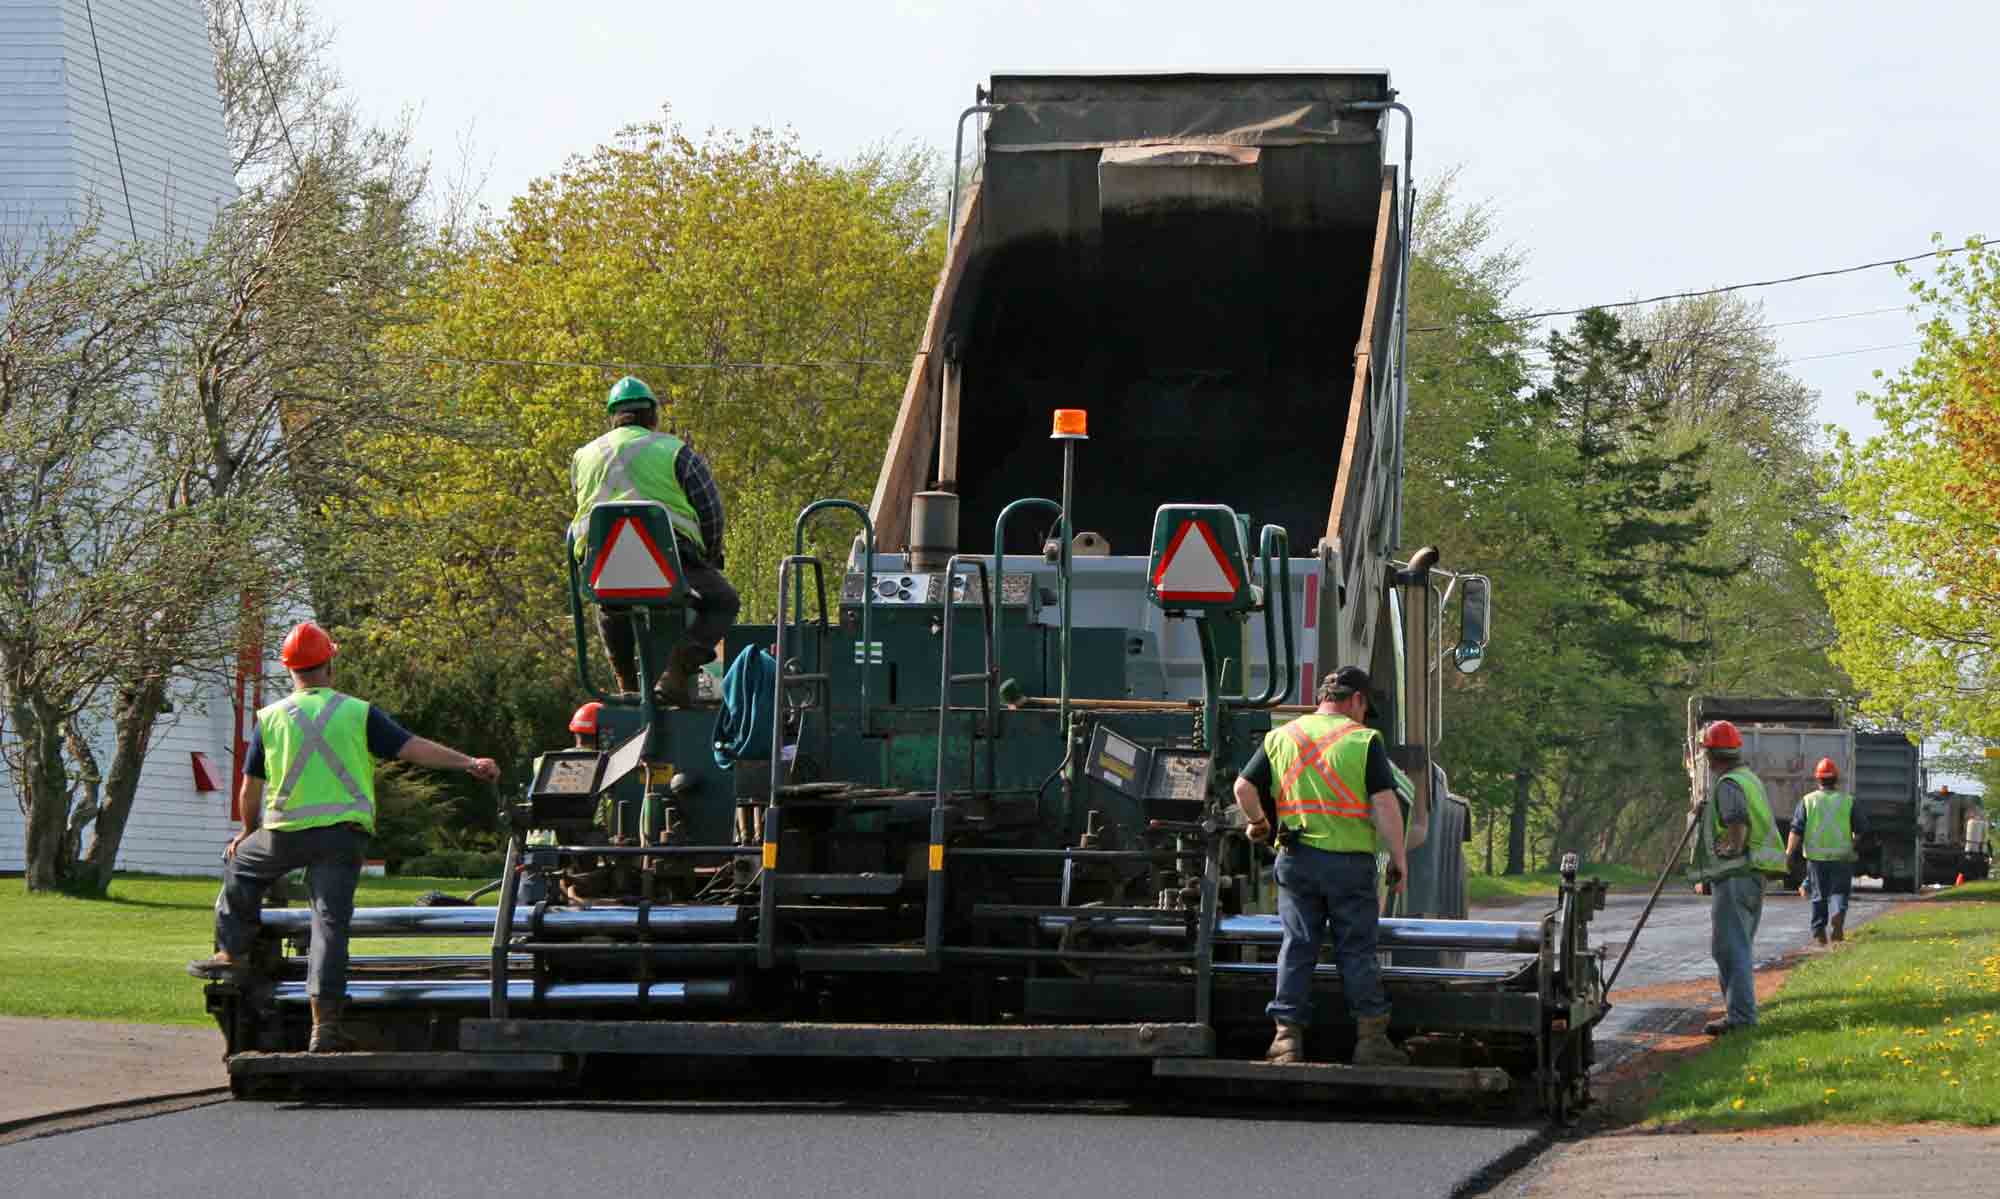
[852, 1147]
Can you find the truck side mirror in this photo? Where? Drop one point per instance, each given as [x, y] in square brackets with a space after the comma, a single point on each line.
[1475, 617]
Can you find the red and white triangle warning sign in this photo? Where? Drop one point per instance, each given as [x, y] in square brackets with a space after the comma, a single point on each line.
[1194, 569]
[630, 566]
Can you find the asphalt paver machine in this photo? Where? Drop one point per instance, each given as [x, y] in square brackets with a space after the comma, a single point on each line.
[1143, 489]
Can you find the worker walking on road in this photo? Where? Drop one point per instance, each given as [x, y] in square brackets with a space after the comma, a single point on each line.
[1824, 826]
[635, 461]
[320, 747]
[1735, 847]
[1335, 792]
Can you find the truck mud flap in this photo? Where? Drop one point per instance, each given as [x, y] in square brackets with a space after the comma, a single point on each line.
[754, 1039]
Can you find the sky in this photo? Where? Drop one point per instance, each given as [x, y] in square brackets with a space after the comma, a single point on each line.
[1626, 150]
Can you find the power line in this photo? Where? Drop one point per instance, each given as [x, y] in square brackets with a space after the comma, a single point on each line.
[110, 120]
[270, 92]
[1802, 277]
[1900, 345]
[818, 363]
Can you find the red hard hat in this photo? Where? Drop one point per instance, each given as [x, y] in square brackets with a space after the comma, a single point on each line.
[1826, 769]
[307, 646]
[585, 720]
[1721, 735]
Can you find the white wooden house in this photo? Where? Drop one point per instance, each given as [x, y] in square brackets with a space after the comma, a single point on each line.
[114, 103]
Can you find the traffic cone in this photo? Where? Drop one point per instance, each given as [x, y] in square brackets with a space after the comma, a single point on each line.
[1961, 879]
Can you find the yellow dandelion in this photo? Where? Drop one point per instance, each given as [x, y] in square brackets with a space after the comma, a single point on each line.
[1736, 1106]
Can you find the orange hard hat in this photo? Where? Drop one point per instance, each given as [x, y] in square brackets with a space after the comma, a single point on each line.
[307, 646]
[1721, 735]
[1826, 769]
[585, 720]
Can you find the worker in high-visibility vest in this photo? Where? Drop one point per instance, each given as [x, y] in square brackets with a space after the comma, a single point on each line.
[308, 800]
[635, 461]
[1736, 846]
[1330, 778]
[1824, 827]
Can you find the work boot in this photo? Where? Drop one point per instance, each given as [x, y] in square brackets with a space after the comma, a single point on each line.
[1819, 937]
[220, 968]
[1288, 1048]
[1716, 1028]
[1838, 930]
[328, 1036]
[1372, 1046]
[675, 689]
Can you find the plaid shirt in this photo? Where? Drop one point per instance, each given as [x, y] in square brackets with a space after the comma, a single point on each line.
[698, 483]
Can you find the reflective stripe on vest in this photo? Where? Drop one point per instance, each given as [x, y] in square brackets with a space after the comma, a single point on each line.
[1325, 799]
[296, 739]
[1829, 826]
[603, 472]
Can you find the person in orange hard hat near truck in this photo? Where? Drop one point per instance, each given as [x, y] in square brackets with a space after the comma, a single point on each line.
[1735, 846]
[308, 800]
[1824, 827]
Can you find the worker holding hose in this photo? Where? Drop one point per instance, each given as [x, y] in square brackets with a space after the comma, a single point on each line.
[635, 461]
[320, 746]
[1735, 847]
[1335, 794]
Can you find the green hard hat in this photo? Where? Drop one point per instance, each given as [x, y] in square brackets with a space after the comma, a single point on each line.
[627, 392]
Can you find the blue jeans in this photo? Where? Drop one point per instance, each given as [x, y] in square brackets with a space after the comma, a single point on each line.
[332, 857]
[1830, 883]
[1315, 888]
[1737, 906]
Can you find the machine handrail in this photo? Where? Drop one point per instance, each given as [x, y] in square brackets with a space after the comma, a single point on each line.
[787, 572]
[867, 577]
[1274, 553]
[946, 677]
[1000, 557]
[576, 613]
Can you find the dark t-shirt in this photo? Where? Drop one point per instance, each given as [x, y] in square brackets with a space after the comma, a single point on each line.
[1381, 775]
[386, 739]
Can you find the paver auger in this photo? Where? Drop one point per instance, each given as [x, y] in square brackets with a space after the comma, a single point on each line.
[993, 819]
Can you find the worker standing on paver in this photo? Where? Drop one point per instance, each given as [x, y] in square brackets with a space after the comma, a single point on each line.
[635, 461]
[1335, 794]
[320, 746]
[1824, 827]
[1736, 845]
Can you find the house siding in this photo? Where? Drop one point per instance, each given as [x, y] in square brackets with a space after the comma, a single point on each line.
[58, 158]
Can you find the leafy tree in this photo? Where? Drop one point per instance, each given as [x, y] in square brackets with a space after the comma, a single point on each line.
[1914, 579]
[769, 296]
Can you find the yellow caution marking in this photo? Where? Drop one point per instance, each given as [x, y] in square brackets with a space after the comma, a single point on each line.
[937, 857]
[770, 855]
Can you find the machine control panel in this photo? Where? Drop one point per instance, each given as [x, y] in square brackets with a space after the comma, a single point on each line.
[564, 789]
[905, 589]
[1172, 781]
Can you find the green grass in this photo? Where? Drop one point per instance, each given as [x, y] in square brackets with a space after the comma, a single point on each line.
[1499, 888]
[124, 958]
[1900, 1026]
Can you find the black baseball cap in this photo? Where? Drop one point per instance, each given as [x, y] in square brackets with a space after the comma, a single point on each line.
[1349, 680]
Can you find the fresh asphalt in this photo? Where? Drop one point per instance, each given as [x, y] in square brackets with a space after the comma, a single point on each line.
[768, 1146]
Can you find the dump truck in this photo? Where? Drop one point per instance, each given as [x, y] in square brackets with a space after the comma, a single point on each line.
[1887, 779]
[1954, 844]
[1142, 489]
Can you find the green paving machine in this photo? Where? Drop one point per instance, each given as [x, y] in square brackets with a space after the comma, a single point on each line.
[1142, 491]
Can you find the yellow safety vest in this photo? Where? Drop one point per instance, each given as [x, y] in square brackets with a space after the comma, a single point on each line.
[1319, 765]
[317, 767]
[631, 463]
[1829, 826]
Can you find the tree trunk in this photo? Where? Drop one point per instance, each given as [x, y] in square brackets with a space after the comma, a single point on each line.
[40, 731]
[1517, 824]
[138, 711]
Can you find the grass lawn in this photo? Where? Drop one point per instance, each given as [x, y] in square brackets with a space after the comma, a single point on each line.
[124, 958]
[1499, 888]
[1901, 1025]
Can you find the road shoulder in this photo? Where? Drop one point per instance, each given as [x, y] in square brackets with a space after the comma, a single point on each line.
[54, 1066]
